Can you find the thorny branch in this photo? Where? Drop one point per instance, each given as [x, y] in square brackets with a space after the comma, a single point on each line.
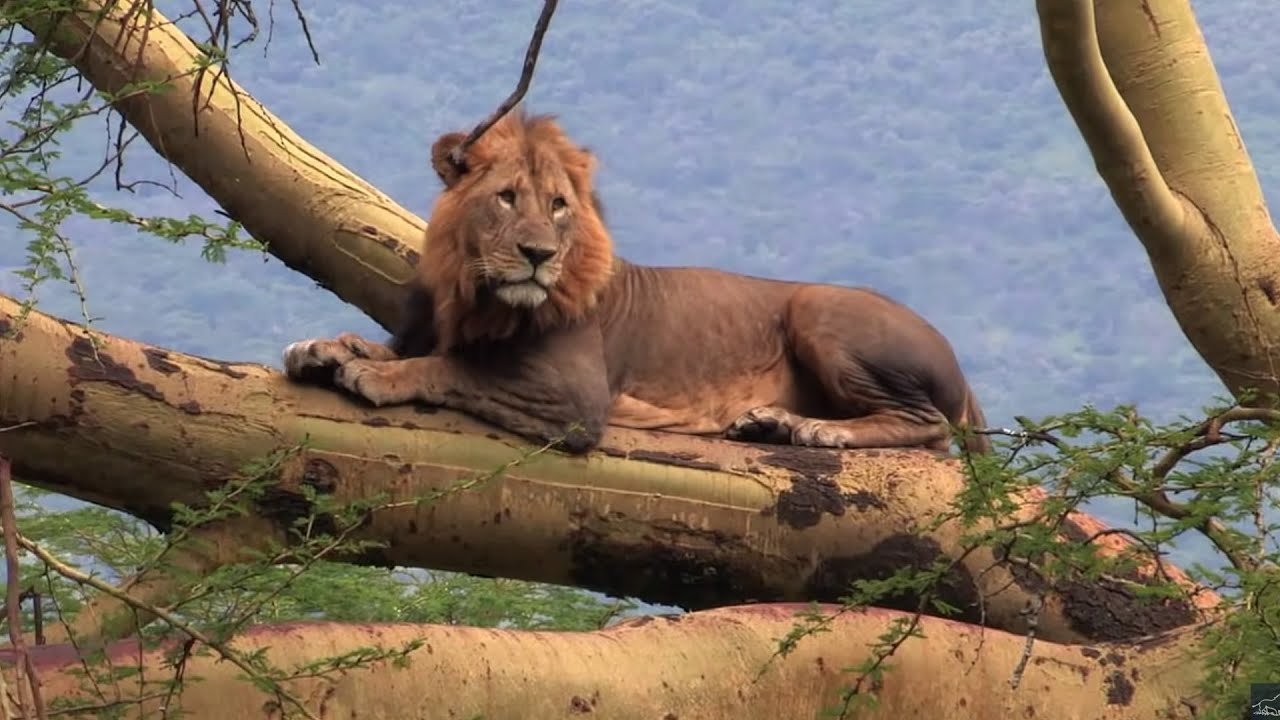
[42, 91]
[224, 651]
[1208, 433]
[458, 157]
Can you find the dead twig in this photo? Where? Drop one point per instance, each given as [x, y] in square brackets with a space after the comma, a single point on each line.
[458, 156]
[29, 696]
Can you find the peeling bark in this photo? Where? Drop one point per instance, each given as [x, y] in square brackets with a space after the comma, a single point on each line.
[1140, 84]
[668, 518]
[690, 667]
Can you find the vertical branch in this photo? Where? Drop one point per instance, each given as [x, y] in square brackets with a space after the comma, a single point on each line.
[1068, 33]
[458, 157]
[29, 691]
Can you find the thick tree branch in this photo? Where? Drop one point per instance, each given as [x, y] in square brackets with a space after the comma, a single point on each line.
[1141, 86]
[700, 666]
[1115, 140]
[315, 215]
[664, 517]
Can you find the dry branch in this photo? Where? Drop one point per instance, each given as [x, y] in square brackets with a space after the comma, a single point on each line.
[458, 155]
[693, 667]
[667, 518]
[26, 678]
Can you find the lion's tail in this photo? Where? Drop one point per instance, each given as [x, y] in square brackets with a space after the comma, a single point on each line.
[974, 419]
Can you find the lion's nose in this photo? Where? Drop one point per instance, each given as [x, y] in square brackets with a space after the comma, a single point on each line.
[536, 254]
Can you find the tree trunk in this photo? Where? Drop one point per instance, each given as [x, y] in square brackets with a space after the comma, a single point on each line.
[1140, 84]
[691, 667]
[667, 518]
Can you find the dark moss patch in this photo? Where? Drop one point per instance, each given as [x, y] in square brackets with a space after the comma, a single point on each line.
[1119, 689]
[690, 578]
[831, 579]
[803, 504]
[1106, 610]
[7, 331]
[86, 366]
[861, 499]
[285, 506]
[579, 705]
[809, 462]
[158, 360]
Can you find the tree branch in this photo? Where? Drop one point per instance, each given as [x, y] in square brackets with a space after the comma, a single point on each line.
[458, 156]
[26, 678]
[701, 665]
[668, 518]
[313, 214]
[205, 549]
[1120, 152]
[1141, 86]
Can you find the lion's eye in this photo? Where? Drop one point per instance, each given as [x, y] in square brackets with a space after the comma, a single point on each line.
[507, 197]
[558, 203]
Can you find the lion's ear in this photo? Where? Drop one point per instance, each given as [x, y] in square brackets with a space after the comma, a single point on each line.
[442, 163]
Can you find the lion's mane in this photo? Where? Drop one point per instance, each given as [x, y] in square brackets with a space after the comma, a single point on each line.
[462, 313]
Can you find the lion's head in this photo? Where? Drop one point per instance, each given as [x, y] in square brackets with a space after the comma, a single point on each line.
[517, 236]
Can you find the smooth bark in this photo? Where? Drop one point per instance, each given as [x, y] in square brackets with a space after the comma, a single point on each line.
[667, 518]
[1141, 86]
[697, 666]
[314, 215]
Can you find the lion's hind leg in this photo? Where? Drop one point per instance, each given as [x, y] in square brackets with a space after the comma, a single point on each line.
[315, 360]
[875, 374]
[772, 424]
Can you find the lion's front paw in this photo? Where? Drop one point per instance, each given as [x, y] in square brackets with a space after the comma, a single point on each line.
[314, 360]
[819, 433]
[765, 424]
[370, 381]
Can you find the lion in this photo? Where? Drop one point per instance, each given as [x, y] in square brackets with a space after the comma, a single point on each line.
[523, 317]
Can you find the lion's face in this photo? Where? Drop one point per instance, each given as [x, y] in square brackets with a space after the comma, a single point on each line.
[520, 229]
[520, 225]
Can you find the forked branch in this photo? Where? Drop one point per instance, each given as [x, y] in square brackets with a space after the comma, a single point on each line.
[458, 157]
[1068, 32]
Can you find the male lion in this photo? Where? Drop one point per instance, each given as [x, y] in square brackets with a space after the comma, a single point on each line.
[525, 318]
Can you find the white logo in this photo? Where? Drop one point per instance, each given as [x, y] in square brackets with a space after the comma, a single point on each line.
[1266, 708]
